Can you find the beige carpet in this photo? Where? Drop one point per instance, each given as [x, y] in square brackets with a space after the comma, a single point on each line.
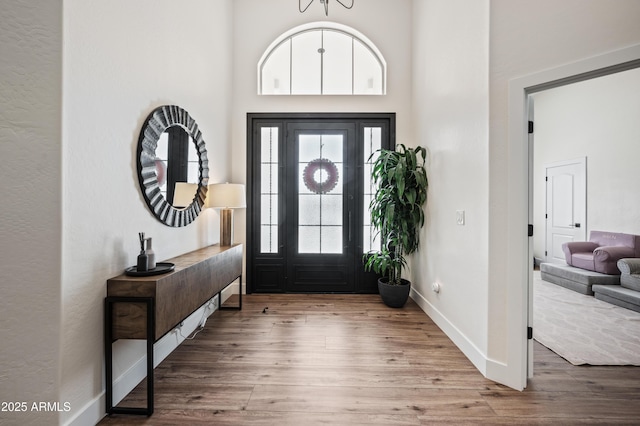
[583, 329]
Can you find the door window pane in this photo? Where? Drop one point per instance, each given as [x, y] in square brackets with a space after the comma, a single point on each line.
[268, 239]
[320, 193]
[309, 239]
[331, 209]
[372, 142]
[332, 148]
[269, 172]
[308, 206]
[269, 211]
[309, 147]
[269, 190]
[331, 239]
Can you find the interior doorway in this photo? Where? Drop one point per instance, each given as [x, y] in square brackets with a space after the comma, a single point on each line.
[575, 119]
[521, 106]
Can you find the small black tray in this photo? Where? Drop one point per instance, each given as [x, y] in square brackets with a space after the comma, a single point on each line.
[161, 268]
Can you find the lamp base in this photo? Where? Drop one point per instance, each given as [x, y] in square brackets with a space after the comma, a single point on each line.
[226, 227]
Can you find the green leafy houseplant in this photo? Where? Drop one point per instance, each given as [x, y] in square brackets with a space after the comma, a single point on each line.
[396, 209]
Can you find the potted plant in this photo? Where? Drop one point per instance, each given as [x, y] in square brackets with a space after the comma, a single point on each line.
[397, 215]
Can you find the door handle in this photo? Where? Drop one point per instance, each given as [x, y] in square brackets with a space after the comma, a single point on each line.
[349, 226]
[574, 225]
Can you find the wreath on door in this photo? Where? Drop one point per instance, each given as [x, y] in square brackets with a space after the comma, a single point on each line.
[309, 176]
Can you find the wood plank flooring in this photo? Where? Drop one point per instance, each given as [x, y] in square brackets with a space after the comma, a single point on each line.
[350, 360]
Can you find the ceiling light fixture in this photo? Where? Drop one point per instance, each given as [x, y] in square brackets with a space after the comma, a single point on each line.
[326, 5]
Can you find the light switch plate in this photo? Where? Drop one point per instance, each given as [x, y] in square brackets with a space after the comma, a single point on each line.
[460, 217]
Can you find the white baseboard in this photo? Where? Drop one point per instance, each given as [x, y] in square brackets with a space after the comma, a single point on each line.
[94, 411]
[491, 369]
[89, 415]
[468, 348]
[498, 372]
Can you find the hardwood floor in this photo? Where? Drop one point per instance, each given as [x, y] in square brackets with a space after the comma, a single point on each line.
[350, 360]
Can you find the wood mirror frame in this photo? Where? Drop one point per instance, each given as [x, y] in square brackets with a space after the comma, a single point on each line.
[158, 121]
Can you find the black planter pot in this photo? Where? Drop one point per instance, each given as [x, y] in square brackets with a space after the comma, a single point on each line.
[394, 296]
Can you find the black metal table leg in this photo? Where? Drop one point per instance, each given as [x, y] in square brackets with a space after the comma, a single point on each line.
[227, 308]
[108, 341]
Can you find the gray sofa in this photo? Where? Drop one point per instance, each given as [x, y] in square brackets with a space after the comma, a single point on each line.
[576, 279]
[627, 293]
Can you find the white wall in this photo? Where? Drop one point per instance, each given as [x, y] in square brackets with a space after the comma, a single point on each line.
[524, 37]
[31, 193]
[597, 119]
[257, 23]
[121, 60]
[528, 37]
[450, 82]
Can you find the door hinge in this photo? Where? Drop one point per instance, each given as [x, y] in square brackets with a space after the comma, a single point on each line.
[530, 230]
[530, 127]
[546, 253]
[529, 333]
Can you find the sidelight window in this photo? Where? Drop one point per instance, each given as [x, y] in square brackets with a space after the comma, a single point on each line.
[372, 142]
[269, 190]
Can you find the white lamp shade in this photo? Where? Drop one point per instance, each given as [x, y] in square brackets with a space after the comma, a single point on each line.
[226, 196]
[184, 194]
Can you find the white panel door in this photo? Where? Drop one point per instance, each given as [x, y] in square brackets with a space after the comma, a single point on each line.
[566, 206]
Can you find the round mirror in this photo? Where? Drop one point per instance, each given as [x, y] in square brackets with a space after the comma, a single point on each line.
[173, 169]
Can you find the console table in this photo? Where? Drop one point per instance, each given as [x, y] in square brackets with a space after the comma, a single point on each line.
[149, 307]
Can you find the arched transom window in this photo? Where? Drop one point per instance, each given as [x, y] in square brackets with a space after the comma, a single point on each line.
[322, 58]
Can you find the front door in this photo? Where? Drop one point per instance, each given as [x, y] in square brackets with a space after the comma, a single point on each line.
[566, 206]
[320, 206]
[308, 224]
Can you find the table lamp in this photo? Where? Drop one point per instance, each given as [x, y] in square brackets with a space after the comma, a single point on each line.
[226, 196]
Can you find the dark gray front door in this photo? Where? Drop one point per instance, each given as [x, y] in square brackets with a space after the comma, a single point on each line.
[309, 186]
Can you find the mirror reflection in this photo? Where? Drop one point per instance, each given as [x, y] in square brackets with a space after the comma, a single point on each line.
[177, 162]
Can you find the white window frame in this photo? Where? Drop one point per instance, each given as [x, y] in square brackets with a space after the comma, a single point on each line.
[320, 26]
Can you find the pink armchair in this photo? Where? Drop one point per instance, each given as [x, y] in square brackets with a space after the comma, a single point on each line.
[602, 252]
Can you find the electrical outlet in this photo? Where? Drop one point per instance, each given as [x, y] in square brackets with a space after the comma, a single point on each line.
[460, 217]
